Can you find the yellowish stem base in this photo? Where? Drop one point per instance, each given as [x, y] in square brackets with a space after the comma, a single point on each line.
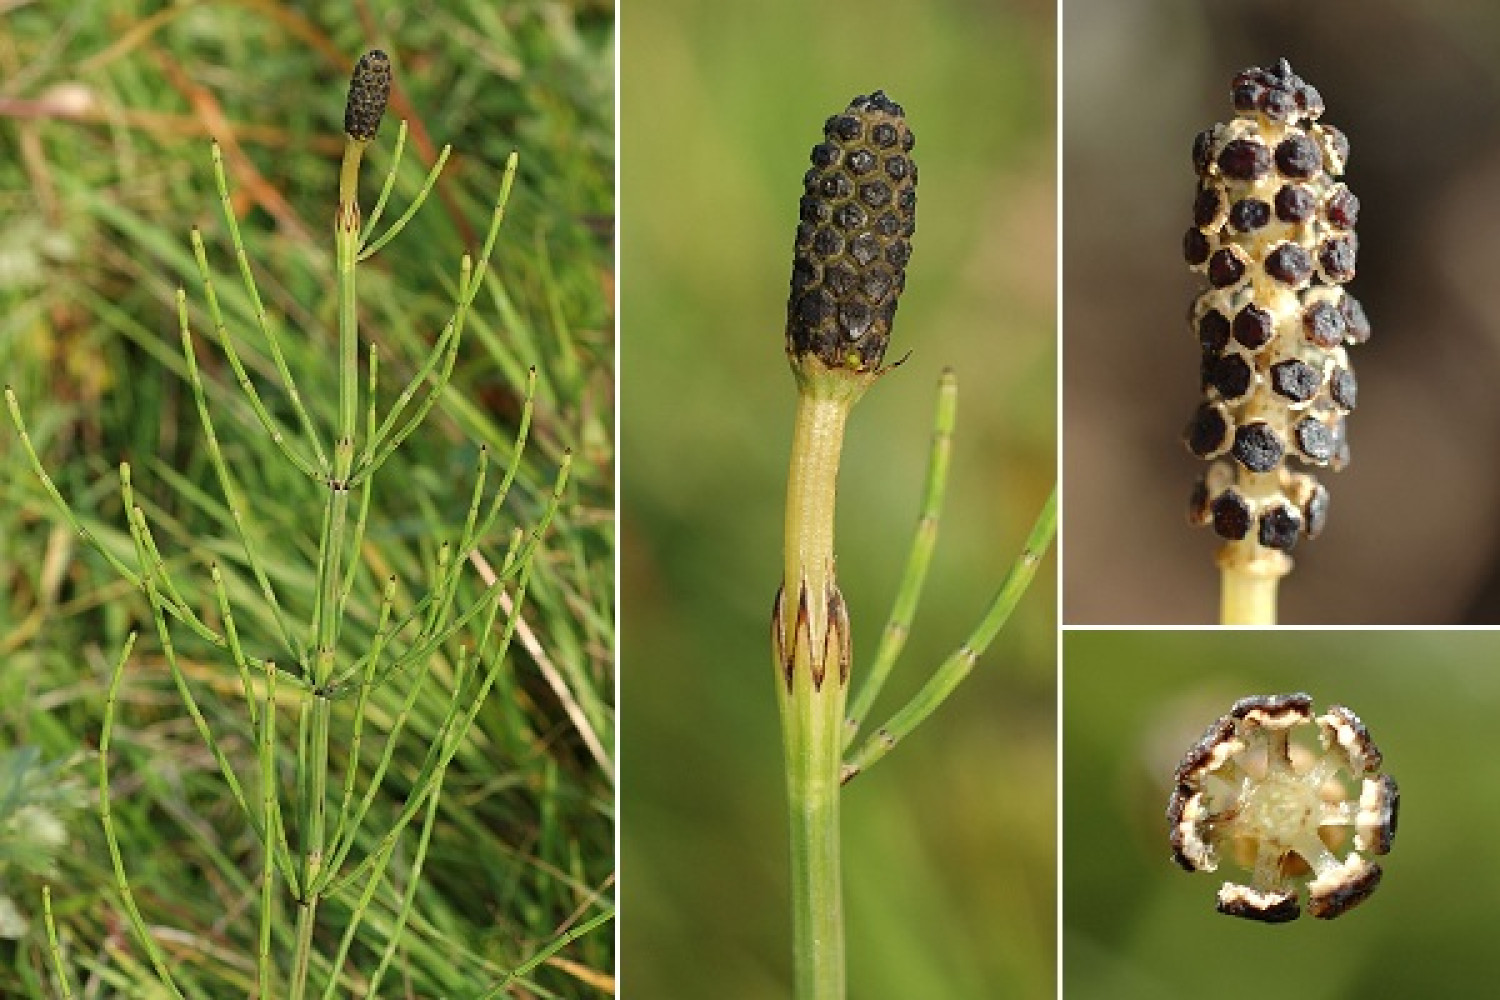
[1249, 575]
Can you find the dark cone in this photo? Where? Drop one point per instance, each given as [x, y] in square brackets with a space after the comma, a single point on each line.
[859, 210]
[369, 90]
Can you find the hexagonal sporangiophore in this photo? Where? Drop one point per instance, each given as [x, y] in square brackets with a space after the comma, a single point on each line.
[1280, 792]
[858, 214]
[1272, 235]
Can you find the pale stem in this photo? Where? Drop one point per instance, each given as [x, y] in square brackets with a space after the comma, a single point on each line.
[1249, 576]
[811, 687]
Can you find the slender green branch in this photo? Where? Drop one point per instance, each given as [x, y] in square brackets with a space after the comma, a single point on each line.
[390, 183]
[227, 484]
[339, 849]
[430, 642]
[898, 627]
[471, 279]
[338, 687]
[342, 849]
[152, 556]
[123, 571]
[53, 946]
[452, 736]
[523, 430]
[424, 842]
[473, 535]
[388, 447]
[112, 841]
[181, 611]
[510, 560]
[502, 200]
[557, 945]
[440, 350]
[411, 211]
[266, 329]
[434, 605]
[382, 635]
[169, 651]
[356, 918]
[450, 570]
[221, 330]
[232, 634]
[275, 846]
[421, 655]
[954, 669]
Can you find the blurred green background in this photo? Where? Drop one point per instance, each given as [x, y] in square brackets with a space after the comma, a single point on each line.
[106, 112]
[1136, 925]
[949, 844]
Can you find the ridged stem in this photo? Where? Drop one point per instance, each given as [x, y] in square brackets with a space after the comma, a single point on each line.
[812, 485]
[313, 807]
[811, 641]
[813, 733]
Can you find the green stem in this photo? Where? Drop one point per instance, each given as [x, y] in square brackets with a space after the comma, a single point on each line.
[313, 807]
[306, 919]
[314, 810]
[811, 638]
[267, 753]
[812, 728]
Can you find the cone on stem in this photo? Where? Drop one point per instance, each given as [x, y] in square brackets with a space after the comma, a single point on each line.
[1273, 235]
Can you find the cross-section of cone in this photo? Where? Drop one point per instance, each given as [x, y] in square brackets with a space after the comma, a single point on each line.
[1293, 812]
[1273, 235]
[858, 213]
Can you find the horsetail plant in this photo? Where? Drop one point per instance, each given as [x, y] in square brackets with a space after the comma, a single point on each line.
[858, 213]
[308, 833]
[1273, 232]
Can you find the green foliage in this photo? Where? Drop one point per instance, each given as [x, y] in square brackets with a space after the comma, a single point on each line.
[37, 800]
[521, 838]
